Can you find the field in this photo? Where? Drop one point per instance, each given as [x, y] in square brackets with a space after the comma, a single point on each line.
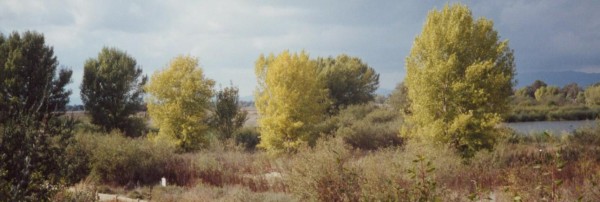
[533, 168]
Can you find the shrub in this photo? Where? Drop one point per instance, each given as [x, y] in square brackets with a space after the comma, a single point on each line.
[323, 173]
[80, 192]
[136, 127]
[32, 163]
[369, 127]
[116, 159]
[248, 137]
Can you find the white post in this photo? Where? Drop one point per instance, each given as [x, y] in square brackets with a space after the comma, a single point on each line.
[163, 182]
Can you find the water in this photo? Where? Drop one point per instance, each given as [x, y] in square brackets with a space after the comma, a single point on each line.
[553, 127]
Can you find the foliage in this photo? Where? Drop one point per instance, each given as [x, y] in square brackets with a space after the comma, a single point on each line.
[323, 174]
[551, 103]
[79, 192]
[28, 80]
[290, 100]
[529, 91]
[32, 165]
[249, 137]
[546, 93]
[348, 80]
[459, 79]
[571, 91]
[399, 99]
[111, 89]
[228, 115]
[116, 159]
[178, 101]
[552, 113]
[368, 127]
[424, 185]
[592, 95]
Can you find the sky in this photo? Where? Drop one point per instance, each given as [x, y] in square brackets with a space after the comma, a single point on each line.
[228, 36]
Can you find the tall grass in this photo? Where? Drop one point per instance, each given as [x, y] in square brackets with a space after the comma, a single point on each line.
[526, 168]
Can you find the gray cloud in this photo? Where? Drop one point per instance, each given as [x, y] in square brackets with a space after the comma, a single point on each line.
[228, 36]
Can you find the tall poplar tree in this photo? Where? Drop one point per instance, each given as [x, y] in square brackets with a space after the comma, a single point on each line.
[178, 102]
[459, 79]
[290, 99]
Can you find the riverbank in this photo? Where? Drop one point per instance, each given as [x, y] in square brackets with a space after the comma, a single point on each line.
[552, 113]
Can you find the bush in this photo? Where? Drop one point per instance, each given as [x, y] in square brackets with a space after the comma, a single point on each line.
[116, 159]
[369, 127]
[323, 173]
[248, 137]
[136, 127]
[32, 163]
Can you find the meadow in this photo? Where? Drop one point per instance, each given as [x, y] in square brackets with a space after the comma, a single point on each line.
[540, 167]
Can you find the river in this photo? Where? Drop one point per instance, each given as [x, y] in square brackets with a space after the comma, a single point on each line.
[554, 127]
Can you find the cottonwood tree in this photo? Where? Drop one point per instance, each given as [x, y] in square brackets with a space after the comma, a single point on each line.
[399, 99]
[290, 99]
[227, 116]
[459, 79]
[348, 80]
[29, 83]
[529, 91]
[571, 92]
[547, 93]
[592, 95]
[178, 102]
[112, 90]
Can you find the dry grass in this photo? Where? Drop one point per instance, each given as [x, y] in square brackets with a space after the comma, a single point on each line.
[527, 168]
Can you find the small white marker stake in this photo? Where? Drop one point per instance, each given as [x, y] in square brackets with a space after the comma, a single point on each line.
[163, 182]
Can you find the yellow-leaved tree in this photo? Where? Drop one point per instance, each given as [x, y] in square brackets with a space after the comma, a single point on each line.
[459, 78]
[290, 99]
[178, 102]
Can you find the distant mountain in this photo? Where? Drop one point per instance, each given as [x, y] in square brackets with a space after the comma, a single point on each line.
[558, 78]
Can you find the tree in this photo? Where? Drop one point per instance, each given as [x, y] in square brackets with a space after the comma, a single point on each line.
[29, 83]
[571, 91]
[32, 157]
[592, 95]
[228, 115]
[459, 79]
[178, 102]
[112, 90]
[547, 93]
[348, 80]
[529, 91]
[290, 100]
[399, 99]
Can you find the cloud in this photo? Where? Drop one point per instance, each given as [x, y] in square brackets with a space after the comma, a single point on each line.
[229, 35]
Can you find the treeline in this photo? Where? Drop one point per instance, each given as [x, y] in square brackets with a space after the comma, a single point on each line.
[542, 102]
[457, 90]
[183, 105]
